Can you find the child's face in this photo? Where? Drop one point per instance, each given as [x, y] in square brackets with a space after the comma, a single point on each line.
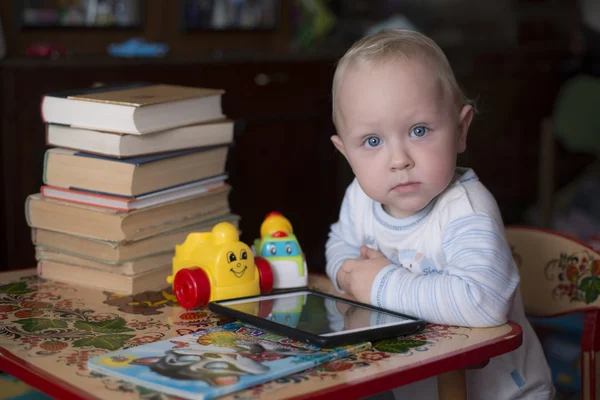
[400, 131]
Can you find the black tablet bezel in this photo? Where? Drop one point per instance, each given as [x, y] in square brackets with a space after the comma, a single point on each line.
[375, 333]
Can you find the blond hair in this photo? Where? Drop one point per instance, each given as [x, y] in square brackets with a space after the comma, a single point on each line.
[403, 44]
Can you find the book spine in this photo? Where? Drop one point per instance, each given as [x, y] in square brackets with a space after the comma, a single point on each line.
[45, 195]
[357, 348]
[342, 352]
[27, 212]
[45, 171]
[42, 109]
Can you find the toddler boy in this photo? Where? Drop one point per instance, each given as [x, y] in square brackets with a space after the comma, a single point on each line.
[416, 234]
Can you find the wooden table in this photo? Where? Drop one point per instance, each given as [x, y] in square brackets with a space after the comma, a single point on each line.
[49, 330]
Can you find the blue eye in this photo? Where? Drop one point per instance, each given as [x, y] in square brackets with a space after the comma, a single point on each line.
[419, 131]
[372, 141]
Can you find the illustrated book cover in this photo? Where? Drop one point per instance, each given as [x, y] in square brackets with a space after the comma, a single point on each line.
[215, 362]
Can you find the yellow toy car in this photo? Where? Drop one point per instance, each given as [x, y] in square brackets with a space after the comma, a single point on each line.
[215, 265]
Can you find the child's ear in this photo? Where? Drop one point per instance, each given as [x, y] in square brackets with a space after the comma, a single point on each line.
[337, 142]
[464, 121]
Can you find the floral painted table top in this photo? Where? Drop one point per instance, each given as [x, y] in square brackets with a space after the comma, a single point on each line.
[48, 331]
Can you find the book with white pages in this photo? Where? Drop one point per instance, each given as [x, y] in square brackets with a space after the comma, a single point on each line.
[125, 203]
[128, 268]
[136, 108]
[122, 145]
[124, 250]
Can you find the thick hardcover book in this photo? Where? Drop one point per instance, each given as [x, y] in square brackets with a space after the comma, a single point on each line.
[155, 279]
[135, 108]
[122, 145]
[127, 268]
[126, 203]
[212, 363]
[124, 250]
[132, 176]
[106, 224]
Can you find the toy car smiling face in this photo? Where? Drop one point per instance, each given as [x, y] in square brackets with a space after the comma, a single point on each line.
[215, 265]
[234, 265]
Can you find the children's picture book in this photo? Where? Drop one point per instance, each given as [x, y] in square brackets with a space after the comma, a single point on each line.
[215, 362]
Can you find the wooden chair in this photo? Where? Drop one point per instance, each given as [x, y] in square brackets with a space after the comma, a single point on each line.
[561, 276]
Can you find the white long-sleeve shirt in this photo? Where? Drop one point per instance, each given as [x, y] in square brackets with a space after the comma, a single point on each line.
[450, 264]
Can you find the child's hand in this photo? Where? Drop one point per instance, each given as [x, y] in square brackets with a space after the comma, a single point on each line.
[367, 252]
[343, 278]
[357, 275]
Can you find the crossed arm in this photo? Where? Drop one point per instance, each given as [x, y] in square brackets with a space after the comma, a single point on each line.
[475, 288]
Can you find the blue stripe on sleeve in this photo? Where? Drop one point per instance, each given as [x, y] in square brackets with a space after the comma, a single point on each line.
[476, 288]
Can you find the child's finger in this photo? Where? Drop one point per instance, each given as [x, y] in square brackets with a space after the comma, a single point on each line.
[373, 253]
[364, 251]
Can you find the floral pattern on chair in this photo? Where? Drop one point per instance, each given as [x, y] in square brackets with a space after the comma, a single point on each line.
[578, 276]
[560, 276]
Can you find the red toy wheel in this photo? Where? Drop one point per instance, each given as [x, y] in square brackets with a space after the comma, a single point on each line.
[266, 275]
[192, 288]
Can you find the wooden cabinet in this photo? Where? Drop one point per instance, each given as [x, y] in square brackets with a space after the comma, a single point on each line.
[282, 159]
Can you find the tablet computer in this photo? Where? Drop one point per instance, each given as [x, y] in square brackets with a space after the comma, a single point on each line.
[319, 318]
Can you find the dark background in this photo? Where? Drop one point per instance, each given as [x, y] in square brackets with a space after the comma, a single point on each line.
[512, 56]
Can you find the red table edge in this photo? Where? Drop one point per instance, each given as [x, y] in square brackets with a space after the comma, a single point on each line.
[457, 359]
[58, 388]
[40, 379]
[35, 376]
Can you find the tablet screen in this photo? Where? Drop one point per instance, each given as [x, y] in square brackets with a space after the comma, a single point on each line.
[317, 314]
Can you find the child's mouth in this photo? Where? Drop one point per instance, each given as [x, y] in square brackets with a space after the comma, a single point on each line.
[406, 187]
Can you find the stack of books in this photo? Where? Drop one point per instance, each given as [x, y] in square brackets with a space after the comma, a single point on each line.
[133, 169]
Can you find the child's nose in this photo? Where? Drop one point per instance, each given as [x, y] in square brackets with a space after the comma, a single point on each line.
[400, 159]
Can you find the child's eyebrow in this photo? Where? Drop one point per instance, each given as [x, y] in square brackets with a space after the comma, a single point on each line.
[362, 133]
